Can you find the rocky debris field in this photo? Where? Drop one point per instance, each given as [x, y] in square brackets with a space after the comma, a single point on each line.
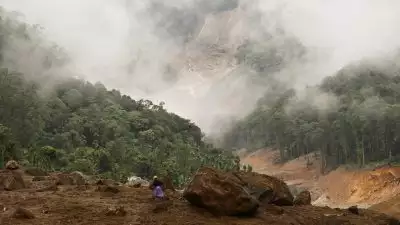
[212, 197]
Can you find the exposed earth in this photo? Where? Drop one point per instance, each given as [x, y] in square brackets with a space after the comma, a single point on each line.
[32, 196]
[83, 205]
[339, 188]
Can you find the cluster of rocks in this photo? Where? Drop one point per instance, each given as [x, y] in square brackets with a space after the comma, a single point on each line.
[239, 193]
[14, 177]
[243, 193]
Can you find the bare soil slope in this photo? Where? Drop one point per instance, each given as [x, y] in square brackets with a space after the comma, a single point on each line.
[339, 188]
[390, 207]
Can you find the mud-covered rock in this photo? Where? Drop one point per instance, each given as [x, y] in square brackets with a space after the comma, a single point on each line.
[34, 171]
[107, 188]
[78, 178]
[220, 193]
[303, 198]
[268, 189]
[106, 182]
[12, 181]
[274, 209]
[64, 179]
[116, 211]
[12, 165]
[22, 213]
[50, 187]
[39, 178]
[354, 209]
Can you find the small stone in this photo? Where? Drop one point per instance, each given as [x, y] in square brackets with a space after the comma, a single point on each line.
[22, 213]
[107, 188]
[52, 187]
[118, 211]
[354, 209]
[303, 198]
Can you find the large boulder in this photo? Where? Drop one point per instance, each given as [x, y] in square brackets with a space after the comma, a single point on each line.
[220, 193]
[267, 189]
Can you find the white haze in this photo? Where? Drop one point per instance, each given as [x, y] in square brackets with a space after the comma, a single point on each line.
[103, 36]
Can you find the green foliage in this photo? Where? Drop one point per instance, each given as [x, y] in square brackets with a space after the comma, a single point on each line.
[249, 168]
[351, 118]
[6, 146]
[46, 157]
[76, 125]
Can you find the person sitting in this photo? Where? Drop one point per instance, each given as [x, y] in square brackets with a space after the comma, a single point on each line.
[157, 187]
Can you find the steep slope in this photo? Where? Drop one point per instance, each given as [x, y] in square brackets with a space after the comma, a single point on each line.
[390, 207]
[339, 188]
[224, 65]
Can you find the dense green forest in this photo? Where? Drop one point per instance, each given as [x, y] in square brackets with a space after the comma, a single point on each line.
[57, 122]
[352, 117]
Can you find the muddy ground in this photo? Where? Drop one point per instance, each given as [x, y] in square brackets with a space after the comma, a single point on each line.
[84, 205]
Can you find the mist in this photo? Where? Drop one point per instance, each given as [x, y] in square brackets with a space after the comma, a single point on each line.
[185, 52]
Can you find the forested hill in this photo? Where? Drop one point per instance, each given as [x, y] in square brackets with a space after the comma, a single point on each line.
[353, 117]
[56, 122]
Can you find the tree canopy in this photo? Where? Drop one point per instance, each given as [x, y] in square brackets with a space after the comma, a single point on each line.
[57, 122]
[352, 117]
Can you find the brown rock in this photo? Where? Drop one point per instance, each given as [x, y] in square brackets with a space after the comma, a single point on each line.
[118, 211]
[354, 209]
[100, 182]
[52, 187]
[220, 193]
[274, 209]
[268, 189]
[12, 165]
[21, 213]
[303, 198]
[39, 178]
[137, 185]
[107, 188]
[64, 179]
[13, 181]
[34, 171]
[78, 178]
[105, 182]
